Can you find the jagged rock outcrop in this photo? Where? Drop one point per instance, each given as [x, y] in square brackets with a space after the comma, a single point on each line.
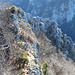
[49, 27]
[33, 67]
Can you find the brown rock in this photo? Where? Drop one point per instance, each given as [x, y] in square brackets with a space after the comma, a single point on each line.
[23, 71]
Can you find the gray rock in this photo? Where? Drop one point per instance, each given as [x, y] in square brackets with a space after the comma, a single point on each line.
[35, 55]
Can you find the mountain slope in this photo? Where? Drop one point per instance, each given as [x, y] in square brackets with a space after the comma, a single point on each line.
[31, 41]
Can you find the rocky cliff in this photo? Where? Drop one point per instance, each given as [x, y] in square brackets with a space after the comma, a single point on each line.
[26, 42]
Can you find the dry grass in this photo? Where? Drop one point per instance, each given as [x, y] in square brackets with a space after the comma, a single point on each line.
[27, 36]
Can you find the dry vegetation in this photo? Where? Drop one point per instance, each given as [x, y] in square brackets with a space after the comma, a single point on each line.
[57, 63]
[18, 56]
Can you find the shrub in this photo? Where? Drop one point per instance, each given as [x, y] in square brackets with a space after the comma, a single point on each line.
[19, 41]
[21, 37]
[40, 68]
[18, 66]
[45, 68]
[13, 9]
[21, 58]
[36, 52]
[19, 11]
[28, 24]
[23, 55]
